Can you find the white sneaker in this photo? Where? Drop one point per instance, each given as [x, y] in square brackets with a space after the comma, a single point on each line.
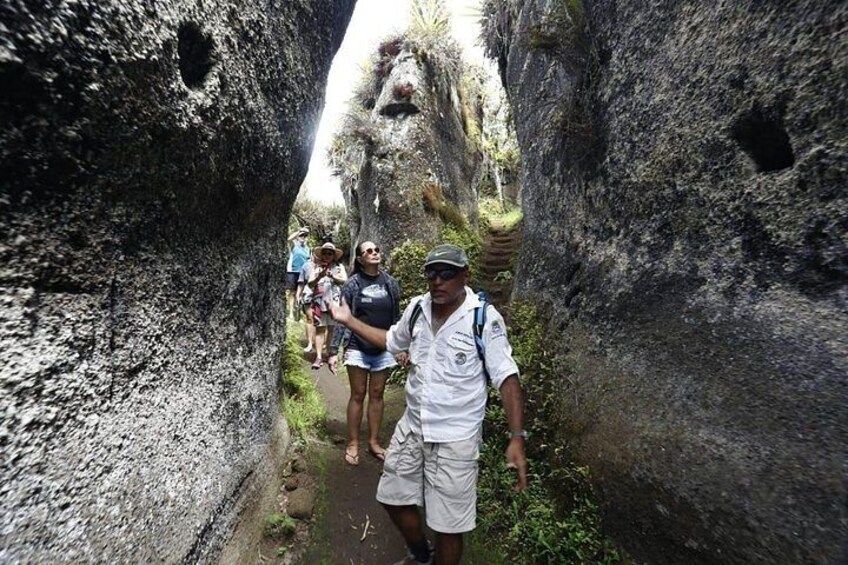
[308, 349]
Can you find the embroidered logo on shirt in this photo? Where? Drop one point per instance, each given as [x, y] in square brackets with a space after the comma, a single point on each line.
[497, 329]
[460, 339]
[460, 358]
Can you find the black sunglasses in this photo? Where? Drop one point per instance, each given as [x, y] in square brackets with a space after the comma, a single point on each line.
[444, 274]
[370, 250]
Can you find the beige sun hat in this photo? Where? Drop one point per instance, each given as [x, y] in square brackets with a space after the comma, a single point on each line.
[338, 252]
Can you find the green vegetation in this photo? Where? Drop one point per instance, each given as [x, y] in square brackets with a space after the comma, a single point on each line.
[472, 242]
[407, 260]
[498, 215]
[406, 266]
[279, 525]
[325, 222]
[301, 403]
[555, 520]
[430, 18]
[434, 201]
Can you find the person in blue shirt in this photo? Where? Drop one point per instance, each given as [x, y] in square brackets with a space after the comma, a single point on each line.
[298, 255]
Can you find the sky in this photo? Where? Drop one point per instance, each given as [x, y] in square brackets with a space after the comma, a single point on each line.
[372, 21]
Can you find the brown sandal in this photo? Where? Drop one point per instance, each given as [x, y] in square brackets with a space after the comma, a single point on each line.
[351, 458]
[378, 454]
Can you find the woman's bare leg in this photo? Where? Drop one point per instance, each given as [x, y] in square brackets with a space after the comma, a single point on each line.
[358, 384]
[320, 334]
[376, 387]
[310, 328]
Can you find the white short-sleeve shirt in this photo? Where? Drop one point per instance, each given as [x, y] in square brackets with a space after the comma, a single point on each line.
[446, 386]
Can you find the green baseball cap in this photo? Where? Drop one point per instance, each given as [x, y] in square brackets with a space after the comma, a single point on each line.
[447, 254]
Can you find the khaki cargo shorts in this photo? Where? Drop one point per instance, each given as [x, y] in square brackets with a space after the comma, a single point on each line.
[442, 477]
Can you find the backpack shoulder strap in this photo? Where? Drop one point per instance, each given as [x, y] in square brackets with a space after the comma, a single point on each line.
[416, 313]
[479, 324]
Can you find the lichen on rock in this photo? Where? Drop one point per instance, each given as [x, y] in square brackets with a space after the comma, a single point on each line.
[684, 171]
[408, 154]
[150, 158]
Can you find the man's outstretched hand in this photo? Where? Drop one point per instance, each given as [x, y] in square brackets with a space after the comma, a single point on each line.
[340, 313]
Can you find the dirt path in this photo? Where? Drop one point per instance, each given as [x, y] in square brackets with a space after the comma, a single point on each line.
[345, 495]
[344, 502]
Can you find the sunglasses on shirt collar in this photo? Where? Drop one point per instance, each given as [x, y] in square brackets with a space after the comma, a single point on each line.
[444, 274]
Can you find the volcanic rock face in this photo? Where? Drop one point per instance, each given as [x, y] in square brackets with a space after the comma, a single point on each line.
[415, 167]
[149, 157]
[685, 170]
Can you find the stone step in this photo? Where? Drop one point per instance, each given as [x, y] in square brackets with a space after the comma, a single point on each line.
[494, 268]
[504, 240]
[499, 253]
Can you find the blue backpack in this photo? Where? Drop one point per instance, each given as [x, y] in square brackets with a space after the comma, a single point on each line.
[479, 322]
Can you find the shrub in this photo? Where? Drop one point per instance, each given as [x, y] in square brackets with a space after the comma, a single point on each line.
[325, 222]
[555, 520]
[406, 265]
[430, 18]
[391, 47]
[496, 214]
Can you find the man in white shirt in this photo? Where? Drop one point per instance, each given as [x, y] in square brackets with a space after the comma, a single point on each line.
[432, 457]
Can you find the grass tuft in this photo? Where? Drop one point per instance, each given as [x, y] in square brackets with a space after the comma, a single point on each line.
[301, 402]
[279, 525]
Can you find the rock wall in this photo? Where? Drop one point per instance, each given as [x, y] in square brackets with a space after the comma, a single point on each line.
[150, 154]
[410, 163]
[685, 171]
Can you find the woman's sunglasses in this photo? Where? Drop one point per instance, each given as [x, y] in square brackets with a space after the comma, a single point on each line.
[370, 250]
[444, 274]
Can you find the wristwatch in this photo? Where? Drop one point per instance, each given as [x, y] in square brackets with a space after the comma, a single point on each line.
[518, 433]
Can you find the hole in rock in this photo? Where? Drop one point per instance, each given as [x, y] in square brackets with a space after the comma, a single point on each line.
[397, 108]
[196, 53]
[761, 135]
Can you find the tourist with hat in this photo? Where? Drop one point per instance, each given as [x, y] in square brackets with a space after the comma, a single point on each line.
[325, 282]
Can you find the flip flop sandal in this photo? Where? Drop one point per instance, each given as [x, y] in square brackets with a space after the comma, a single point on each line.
[351, 458]
[381, 454]
[317, 365]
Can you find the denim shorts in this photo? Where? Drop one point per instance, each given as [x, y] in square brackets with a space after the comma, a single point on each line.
[374, 363]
